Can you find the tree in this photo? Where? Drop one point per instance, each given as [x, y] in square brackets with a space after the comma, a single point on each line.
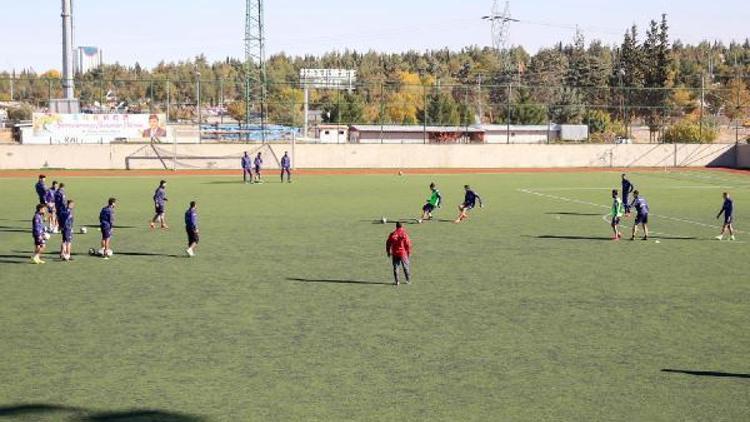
[568, 108]
[628, 73]
[344, 109]
[736, 99]
[237, 111]
[20, 112]
[442, 110]
[525, 111]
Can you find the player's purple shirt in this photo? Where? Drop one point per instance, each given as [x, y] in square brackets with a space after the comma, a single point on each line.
[191, 219]
[728, 207]
[37, 225]
[471, 198]
[60, 199]
[49, 196]
[258, 162]
[160, 196]
[286, 162]
[41, 190]
[107, 217]
[67, 219]
[246, 162]
[641, 206]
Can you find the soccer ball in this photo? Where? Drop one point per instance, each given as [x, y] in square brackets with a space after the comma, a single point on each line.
[419, 221]
[108, 253]
[84, 230]
[46, 236]
[384, 220]
[400, 173]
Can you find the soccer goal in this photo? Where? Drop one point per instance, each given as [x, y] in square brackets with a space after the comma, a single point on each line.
[156, 156]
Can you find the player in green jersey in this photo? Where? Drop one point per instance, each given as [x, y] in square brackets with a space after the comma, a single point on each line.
[434, 201]
[618, 210]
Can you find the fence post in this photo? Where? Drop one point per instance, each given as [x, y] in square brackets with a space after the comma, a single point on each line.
[382, 111]
[424, 113]
[169, 100]
[508, 112]
[49, 93]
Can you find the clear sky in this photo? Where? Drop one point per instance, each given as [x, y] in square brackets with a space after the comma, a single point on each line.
[147, 31]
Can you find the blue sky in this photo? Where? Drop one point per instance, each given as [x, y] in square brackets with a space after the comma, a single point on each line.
[147, 31]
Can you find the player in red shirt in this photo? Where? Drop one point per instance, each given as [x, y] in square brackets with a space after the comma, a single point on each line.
[398, 248]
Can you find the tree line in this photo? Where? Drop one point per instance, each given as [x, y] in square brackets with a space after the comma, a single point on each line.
[649, 80]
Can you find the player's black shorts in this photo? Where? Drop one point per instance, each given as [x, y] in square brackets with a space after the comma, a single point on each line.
[428, 208]
[40, 241]
[193, 236]
[615, 221]
[467, 206]
[728, 219]
[159, 209]
[641, 219]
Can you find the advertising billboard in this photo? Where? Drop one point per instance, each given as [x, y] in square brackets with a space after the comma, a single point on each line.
[53, 128]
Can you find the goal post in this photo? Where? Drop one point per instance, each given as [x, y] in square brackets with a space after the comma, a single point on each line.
[155, 156]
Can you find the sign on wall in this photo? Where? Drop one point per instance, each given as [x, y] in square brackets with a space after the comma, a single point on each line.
[53, 128]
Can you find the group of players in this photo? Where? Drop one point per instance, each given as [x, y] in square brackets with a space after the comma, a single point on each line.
[55, 214]
[398, 243]
[252, 168]
[622, 207]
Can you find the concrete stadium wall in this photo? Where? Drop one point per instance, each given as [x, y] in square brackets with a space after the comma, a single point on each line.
[223, 156]
[743, 156]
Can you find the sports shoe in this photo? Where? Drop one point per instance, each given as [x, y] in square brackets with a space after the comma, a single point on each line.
[721, 237]
[151, 226]
[190, 252]
[732, 238]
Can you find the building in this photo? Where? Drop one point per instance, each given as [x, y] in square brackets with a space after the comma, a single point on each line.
[332, 134]
[404, 134]
[534, 134]
[87, 58]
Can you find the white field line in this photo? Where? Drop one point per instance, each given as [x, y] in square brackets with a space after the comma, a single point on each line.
[593, 204]
[610, 188]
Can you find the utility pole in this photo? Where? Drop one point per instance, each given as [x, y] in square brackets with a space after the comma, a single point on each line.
[255, 62]
[500, 26]
[67, 31]
[198, 104]
[480, 110]
[703, 102]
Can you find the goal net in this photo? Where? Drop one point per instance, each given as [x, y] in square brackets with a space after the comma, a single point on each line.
[166, 157]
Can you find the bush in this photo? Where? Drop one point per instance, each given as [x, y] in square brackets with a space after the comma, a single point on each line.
[686, 131]
[20, 112]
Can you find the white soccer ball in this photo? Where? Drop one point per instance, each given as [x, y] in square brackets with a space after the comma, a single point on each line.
[109, 253]
[84, 230]
[46, 236]
[384, 220]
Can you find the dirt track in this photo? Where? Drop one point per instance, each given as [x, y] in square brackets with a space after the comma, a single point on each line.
[330, 172]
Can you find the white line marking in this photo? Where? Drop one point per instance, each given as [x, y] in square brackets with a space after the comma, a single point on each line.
[593, 204]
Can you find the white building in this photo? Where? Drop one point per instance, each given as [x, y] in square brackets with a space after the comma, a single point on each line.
[87, 58]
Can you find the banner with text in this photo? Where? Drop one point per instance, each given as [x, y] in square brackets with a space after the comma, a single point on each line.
[97, 128]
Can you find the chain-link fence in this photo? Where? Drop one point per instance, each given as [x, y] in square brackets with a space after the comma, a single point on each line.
[709, 113]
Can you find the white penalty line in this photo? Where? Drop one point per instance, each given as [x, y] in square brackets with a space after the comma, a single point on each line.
[593, 204]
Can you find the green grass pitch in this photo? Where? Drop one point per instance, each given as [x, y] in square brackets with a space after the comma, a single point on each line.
[526, 312]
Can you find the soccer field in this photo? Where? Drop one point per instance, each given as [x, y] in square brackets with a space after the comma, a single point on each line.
[528, 311]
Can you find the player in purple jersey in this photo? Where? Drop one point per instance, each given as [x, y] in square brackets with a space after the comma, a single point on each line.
[728, 210]
[106, 225]
[286, 167]
[66, 228]
[191, 227]
[470, 202]
[37, 231]
[160, 203]
[41, 188]
[49, 199]
[641, 215]
[258, 162]
[61, 201]
[247, 168]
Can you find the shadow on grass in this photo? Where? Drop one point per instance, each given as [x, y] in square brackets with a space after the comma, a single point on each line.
[577, 214]
[148, 254]
[706, 373]
[85, 415]
[307, 280]
[10, 229]
[227, 182]
[409, 221]
[551, 237]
